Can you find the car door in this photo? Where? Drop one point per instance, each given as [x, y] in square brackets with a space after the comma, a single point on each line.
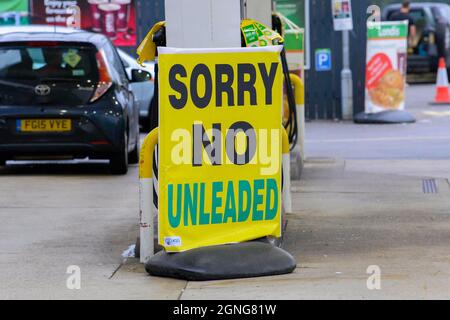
[127, 97]
[441, 17]
[137, 87]
[143, 91]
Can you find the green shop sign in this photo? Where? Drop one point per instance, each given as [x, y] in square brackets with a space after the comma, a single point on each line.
[292, 13]
[387, 30]
[13, 12]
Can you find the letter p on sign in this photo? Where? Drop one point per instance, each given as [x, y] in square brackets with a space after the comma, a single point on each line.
[323, 60]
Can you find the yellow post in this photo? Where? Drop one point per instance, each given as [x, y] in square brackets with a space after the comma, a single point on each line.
[286, 161]
[146, 195]
[299, 90]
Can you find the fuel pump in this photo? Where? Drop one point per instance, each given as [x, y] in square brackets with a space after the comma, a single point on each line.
[217, 25]
[253, 34]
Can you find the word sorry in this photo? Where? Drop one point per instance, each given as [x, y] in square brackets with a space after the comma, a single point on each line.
[200, 85]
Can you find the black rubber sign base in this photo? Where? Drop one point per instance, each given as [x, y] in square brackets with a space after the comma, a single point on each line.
[385, 117]
[232, 261]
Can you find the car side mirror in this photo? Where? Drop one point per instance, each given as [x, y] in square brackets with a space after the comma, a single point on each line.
[138, 75]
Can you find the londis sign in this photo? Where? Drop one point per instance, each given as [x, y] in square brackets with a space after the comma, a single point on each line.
[220, 146]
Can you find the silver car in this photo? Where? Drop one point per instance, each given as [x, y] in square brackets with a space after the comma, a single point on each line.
[143, 91]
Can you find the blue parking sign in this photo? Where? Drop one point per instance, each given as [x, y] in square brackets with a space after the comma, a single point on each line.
[323, 59]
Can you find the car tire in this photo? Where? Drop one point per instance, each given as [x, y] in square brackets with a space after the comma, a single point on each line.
[133, 157]
[118, 163]
[145, 124]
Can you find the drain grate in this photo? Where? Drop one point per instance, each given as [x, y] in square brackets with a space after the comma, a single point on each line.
[429, 186]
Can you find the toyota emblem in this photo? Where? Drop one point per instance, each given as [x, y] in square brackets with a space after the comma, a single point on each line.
[42, 90]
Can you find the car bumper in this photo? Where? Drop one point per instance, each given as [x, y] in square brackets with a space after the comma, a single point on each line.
[96, 133]
[422, 64]
[54, 151]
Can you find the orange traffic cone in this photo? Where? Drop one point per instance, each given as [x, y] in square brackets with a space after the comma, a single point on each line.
[442, 90]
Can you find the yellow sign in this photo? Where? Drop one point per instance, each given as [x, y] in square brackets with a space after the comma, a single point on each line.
[72, 58]
[220, 146]
[258, 35]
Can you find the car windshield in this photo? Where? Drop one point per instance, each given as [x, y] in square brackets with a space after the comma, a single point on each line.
[418, 15]
[47, 60]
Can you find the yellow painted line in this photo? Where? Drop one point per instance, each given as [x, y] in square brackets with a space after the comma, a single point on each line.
[437, 113]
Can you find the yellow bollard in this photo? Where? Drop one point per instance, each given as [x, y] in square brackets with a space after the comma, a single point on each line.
[286, 161]
[146, 195]
[146, 189]
[299, 90]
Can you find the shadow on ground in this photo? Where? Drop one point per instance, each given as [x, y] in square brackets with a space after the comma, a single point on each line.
[56, 168]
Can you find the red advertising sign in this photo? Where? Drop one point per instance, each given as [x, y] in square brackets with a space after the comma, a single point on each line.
[114, 18]
[376, 68]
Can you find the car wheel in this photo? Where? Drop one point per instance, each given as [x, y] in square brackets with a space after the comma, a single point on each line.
[118, 163]
[133, 157]
[145, 124]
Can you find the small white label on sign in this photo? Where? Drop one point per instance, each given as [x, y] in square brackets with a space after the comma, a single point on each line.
[172, 241]
[342, 15]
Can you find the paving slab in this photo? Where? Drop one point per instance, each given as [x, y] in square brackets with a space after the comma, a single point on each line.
[404, 167]
[139, 285]
[360, 204]
[341, 226]
[58, 215]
